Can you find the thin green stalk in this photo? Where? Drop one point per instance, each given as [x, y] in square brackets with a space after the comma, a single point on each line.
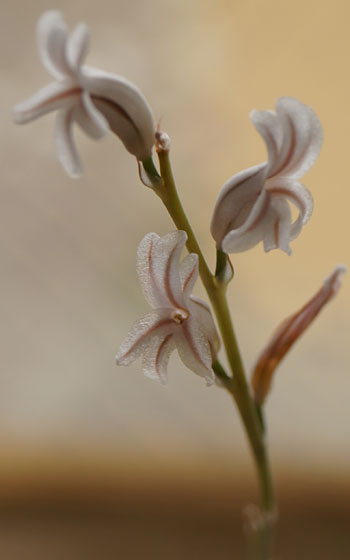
[168, 193]
[221, 374]
[237, 385]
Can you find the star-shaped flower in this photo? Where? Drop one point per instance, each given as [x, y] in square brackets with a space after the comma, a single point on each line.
[94, 99]
[178, 320]
[253, 206]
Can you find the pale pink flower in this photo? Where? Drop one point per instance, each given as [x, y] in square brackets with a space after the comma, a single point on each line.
[95, 100]
[288, 332]
[178, 320]
[253, 205]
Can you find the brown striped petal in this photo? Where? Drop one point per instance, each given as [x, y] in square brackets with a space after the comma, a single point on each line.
[156, 356]
[236, 201]
[194, 349]
[293, 137]
[156, 325]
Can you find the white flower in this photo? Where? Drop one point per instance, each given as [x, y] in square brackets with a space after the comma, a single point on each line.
[288, 333]
[95, 100]
[253, 205]
[178, 320]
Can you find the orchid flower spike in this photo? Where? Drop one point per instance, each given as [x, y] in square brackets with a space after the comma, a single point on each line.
[178, 320]
[288, 332]
[94, 99]
[253, 206]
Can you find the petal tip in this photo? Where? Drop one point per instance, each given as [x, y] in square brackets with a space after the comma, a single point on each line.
[17, 115]
[210, 379]
[50, 16]
[119, 360]
[340, 269]
[75, 174]
[334, 279]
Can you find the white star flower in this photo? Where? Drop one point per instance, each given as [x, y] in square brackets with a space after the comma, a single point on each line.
[253, 206]
[178, 320]
[94, 99]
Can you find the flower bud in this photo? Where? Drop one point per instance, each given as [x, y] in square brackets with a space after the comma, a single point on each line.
[288, 333]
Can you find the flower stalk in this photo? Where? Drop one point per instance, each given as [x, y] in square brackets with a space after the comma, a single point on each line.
[237, 384]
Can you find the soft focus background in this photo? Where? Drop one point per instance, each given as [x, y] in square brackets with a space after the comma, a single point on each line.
[100, 462]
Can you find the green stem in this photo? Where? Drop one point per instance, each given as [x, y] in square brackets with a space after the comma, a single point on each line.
[221, 374]
[168, 193]
[241, 394]
[150, 168]
[237, 385]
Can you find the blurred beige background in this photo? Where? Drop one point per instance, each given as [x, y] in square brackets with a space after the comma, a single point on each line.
[69, 287]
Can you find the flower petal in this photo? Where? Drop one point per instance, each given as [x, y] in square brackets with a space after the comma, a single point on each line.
[251, 232]
[236, 200]
[299, 195]
[270, 128]
[277, 226]
[302, 138]
[194, 349]
[165, 261]
[145, 270]
[65, 146]
[158, 269]
[53, 96]
[188, 273]
[90, 119]
[202, 313]
[52, 36]
[125, 108]
[288, 332]
[77, 46]
[155, 326]
[156, 356]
